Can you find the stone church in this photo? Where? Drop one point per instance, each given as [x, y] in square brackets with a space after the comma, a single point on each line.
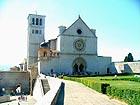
[74, 51]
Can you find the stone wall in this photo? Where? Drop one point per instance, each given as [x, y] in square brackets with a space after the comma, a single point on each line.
[33, 75]
[4, 98]
[103, 65]
[51, 96]
[125, 67]
[64, 63]
[10, 80]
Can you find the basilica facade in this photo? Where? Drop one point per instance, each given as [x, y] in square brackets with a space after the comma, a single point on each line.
[74, 51]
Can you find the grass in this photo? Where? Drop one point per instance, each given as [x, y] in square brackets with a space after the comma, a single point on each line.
[124, 84]
[117, 83]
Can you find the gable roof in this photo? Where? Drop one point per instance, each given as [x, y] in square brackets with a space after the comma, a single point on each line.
[82, 24]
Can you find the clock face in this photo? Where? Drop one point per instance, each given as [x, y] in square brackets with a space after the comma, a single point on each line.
[79, 44]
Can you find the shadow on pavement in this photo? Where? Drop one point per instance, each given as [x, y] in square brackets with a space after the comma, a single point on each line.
[60, 100]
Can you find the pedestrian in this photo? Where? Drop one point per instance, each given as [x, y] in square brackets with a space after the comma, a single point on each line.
[18, 98]
[26, 98]
[18, 103]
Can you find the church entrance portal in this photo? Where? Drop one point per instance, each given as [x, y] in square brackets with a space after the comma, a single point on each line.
[79, 66]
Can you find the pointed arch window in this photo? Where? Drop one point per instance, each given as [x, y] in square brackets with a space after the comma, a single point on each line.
[33, 21]
[40, 21]
[37, 21]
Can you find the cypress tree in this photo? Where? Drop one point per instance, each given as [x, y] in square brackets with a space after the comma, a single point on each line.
[126, 59]
[130, 58]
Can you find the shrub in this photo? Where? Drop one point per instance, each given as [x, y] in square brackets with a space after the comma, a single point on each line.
[132, 97]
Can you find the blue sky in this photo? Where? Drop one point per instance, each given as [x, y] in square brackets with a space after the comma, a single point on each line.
[117, 23]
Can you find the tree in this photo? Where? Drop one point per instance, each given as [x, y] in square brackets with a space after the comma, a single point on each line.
[129, 58]
[126, 59]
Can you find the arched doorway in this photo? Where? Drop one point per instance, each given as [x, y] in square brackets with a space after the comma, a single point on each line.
[79, 66]
[18, 89]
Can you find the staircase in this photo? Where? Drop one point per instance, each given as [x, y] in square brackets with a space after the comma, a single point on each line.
[45, 85]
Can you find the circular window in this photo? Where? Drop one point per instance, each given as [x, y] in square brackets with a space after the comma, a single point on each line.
[79, 31]
[79, 44]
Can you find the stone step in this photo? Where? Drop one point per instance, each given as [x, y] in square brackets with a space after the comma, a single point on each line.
[45, 85]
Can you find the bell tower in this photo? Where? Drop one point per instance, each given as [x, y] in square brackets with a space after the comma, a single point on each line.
[36, 29]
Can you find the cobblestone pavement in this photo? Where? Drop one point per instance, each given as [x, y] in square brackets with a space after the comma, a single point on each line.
[73, 93]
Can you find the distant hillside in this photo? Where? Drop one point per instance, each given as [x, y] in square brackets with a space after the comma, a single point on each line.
[4, 67]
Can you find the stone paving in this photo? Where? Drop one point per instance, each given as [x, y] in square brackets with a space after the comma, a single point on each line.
[74, 93]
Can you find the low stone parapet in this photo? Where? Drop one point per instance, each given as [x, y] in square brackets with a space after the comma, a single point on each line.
[50, 97]
[4, 98]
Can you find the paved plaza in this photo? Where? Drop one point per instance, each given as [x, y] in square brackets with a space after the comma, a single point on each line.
[74, 93]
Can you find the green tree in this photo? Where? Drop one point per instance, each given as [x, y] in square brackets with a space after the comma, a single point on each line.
[126, 59]
[129, 58]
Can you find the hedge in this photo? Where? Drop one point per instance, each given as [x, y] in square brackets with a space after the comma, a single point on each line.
[98, 86]
[132, 97]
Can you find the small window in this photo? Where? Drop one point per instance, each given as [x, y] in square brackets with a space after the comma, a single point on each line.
[108, 71]
[79, 31]
[36, 31]
[32, 31]
[40, 21]
[33, 21]
[36, 21]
